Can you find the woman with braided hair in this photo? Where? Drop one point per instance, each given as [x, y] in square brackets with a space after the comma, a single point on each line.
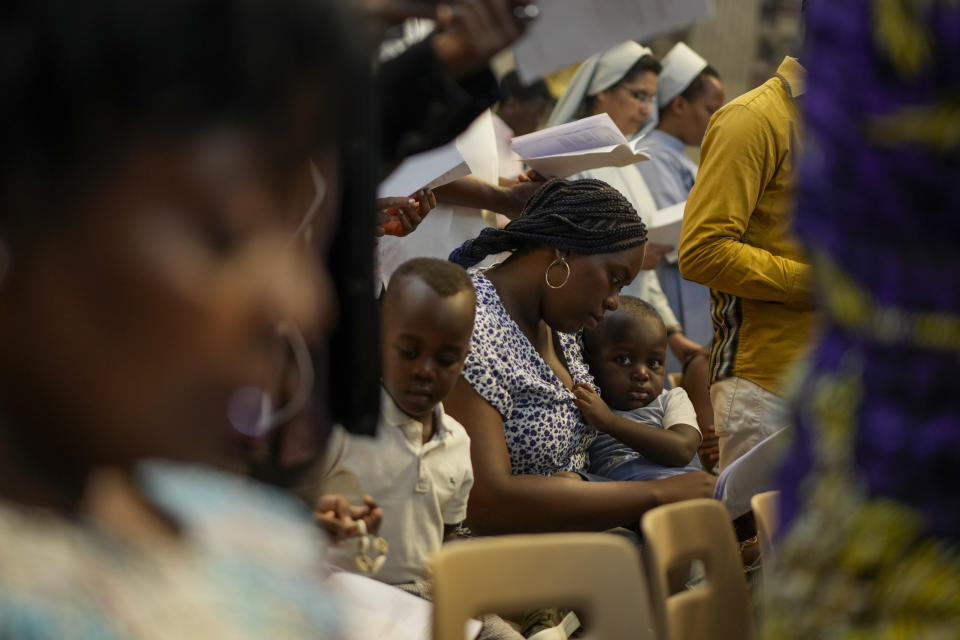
[576, 244]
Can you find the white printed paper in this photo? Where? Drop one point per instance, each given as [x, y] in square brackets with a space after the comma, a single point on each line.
[478, 147]
[568, 31]
[425, 170]
[573, 147]
[752, 473]
[665, 227]
[376, 610]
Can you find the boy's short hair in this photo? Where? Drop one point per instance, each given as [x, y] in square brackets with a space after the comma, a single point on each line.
[630, 305]
[445, 278]
[639, 308]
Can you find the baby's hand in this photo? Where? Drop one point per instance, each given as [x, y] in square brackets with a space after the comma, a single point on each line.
[592, 406]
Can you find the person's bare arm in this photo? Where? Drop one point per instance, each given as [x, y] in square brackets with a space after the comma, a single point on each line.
[501, 502]
[480, 194]
[673, 447]
[695, 383]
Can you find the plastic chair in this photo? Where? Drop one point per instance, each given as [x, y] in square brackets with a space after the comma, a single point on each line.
[766, 512]
[598, 575]
[674, 536]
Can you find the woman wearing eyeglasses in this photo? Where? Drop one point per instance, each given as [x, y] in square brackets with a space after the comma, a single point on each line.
[622, 82]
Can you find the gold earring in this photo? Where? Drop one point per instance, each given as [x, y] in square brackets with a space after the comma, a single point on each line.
[546, 274]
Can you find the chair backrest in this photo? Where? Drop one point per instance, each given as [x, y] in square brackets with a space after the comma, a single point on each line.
[674, 536]
[598, 575]
[765, 511]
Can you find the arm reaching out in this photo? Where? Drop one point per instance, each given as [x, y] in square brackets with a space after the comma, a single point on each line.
[479, 194]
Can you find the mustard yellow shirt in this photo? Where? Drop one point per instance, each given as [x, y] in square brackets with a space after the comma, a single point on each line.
[737, 238]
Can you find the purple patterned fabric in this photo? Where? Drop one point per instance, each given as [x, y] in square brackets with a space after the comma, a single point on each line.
[879, 202]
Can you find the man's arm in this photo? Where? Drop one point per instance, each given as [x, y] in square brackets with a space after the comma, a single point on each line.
[480, 194]
[738, 160]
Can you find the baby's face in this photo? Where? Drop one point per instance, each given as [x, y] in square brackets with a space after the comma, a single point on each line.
[425, 340]
[628, 359]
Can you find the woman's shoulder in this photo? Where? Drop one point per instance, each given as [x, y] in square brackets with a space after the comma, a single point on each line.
[492, 321]
[487, 296]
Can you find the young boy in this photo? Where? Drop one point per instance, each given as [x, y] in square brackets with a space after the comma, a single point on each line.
[646, 433]
[417, 466]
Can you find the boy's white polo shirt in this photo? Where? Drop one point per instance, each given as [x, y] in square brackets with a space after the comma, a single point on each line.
[420, 487]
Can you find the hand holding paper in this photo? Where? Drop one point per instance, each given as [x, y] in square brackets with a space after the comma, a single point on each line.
[425, 170]
[401, 216]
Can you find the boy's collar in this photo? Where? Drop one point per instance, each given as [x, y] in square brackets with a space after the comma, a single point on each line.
[393, 415]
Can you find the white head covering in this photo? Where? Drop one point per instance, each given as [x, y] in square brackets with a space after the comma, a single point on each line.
[681, 66]
[597, 73]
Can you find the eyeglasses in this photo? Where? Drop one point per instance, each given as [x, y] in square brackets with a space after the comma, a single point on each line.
[640, 95]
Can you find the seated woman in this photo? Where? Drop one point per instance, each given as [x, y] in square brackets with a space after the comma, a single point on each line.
[575, 246]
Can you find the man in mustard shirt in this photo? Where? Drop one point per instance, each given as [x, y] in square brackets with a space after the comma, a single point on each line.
[737, 240]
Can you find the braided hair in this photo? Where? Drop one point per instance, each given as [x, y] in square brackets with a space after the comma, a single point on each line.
[583, 216]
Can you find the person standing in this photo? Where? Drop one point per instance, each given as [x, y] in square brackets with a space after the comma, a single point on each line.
[737, 239]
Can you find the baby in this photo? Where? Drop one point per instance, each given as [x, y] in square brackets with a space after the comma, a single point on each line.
[418, 464]
[646, 433]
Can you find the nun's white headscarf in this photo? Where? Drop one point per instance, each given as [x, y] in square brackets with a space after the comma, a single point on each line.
[596, 74]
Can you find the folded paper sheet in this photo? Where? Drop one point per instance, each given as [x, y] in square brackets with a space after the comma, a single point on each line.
[577, 146]
[425, 170]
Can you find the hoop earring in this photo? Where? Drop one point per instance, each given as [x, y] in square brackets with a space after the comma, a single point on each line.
[546, 274]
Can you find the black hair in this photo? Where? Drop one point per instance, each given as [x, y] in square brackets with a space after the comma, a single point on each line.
[510, 87]
[699, 84]
[696, 87]
[83, 83]
[444, 277]
[646, 64]
[582, 216]
[639, 308]
[629, 305]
